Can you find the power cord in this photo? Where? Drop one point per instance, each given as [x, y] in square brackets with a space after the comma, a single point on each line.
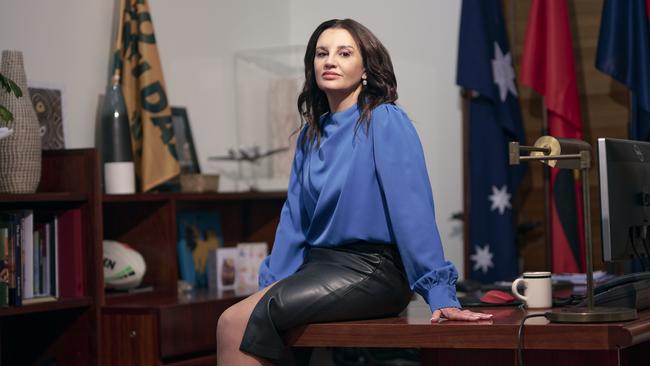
[644, 238]
[520, 337]
[636, 253]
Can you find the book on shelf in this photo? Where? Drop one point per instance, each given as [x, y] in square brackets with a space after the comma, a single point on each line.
[27, 241]
[4, 266]
[45, 245]
[12, 220]
[37, 250]
[70, 253]
[39, 299]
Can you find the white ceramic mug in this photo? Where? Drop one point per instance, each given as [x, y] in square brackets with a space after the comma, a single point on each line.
[538, 293]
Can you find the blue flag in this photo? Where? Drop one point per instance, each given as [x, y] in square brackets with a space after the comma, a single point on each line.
[485, 72]
[624, 54]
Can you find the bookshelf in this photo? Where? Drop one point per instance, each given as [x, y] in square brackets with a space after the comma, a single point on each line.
[159, 326]
[64, 330]
[94, 327]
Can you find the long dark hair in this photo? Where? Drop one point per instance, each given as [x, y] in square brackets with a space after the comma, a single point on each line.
[381, 87]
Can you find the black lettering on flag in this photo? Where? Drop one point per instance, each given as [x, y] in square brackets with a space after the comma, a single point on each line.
[136, 135]
[140, 69]
[167, 132]
[153, 98]
[130, 43]
[144, 18]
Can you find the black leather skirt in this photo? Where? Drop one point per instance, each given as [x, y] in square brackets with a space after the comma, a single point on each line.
[350, 282]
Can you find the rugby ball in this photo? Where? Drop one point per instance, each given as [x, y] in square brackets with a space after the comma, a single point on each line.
[124, 267]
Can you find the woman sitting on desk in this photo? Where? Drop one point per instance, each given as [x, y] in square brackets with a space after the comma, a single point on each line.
[357, 233]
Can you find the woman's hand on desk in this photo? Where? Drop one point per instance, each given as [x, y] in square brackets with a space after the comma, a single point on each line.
[458, 314]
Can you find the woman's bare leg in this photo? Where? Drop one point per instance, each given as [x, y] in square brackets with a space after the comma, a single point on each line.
[230, 331]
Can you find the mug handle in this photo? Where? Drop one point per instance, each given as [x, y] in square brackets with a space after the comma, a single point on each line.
[515, 292]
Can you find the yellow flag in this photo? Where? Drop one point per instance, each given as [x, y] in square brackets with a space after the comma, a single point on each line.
[143, 85]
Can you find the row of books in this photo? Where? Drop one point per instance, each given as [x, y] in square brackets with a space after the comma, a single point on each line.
[41, 256]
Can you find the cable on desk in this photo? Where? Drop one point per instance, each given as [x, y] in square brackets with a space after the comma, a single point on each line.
[520, 337]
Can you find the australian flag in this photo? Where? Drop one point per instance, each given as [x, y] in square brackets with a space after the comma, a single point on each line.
[624, 54]
[486, 74]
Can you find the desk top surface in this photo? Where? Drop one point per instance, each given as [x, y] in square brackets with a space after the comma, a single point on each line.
[414, 329]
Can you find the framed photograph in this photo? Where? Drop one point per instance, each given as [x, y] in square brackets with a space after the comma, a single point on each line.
[227, 268]
[184, 142]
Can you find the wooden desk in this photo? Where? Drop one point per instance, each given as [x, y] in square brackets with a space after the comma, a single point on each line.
[489, 342]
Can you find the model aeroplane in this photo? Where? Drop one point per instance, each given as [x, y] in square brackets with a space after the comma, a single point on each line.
[251, 154]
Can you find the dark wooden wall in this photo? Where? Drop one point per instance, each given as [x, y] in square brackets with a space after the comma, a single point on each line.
[604, 106]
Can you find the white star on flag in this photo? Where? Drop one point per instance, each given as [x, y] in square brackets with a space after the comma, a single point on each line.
[482, 258]
[500, 199]
[503, 73]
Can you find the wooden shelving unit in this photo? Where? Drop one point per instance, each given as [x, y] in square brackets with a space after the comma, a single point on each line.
[149, 328]
[161, 326]
[64, 331]
[61, 304]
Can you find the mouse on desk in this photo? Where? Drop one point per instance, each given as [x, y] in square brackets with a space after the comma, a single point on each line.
[497, 297]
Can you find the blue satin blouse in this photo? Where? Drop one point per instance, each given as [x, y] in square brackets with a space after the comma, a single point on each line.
[368, 186]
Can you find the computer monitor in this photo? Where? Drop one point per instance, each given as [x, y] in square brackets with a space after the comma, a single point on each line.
[624, 172]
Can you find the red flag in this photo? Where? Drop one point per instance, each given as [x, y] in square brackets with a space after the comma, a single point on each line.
[548, 67]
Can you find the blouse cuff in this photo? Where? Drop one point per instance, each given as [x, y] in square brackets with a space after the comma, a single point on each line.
[266, 277]
[438, 287]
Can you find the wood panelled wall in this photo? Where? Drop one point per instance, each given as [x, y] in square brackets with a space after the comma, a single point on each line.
[604, 106]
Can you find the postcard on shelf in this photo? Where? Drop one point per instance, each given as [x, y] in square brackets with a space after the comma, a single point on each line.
[198, 232]
[249, 259]
[222, 269]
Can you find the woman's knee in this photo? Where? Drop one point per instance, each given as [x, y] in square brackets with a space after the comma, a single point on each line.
[235, 318]
[230, 320]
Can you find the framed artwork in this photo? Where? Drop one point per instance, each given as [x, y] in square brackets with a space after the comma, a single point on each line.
[226, 269]
[198, 232]
[48, 104]
[184, 142]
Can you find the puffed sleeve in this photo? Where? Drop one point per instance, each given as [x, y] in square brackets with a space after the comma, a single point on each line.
[289, 245]
[402, 175]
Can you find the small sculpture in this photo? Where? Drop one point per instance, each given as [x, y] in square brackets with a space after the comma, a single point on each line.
[251, 154]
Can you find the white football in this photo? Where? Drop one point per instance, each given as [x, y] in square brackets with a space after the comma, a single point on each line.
[124, 267]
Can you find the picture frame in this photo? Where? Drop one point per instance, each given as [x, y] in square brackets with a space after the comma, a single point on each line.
[226, 269]
[185, 150]
[197, 232]
[49, 104]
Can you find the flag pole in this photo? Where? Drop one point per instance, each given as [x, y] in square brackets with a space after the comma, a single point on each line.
[118, 40]
[465, 97]
[548, 252]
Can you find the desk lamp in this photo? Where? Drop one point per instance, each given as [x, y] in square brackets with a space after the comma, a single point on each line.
[574, 154]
